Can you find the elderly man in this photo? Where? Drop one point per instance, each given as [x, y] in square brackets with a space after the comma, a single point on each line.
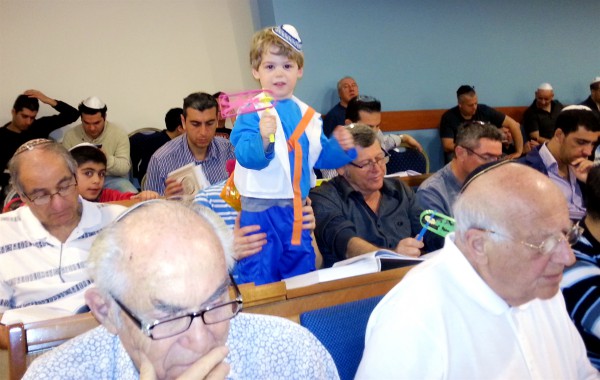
[24, 126]
[488, 305]
[347, 89]
[360, 211]
[565, 157]
[539, 119]
[110, 138]
[168, 316]
[469, 109]
[197, 145]
[477, 143]
[581, 281]
[593, 101]
[44, 246]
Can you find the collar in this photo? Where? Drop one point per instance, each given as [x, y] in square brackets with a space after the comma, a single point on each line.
[210, 150]
[346, 190]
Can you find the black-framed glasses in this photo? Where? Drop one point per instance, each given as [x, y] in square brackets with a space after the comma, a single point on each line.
[166, 328]
[487, 157]
[368, 165]
[62, 191]
[547, 246]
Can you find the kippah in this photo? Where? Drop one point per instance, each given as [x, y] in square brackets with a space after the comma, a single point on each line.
[464, 89]
[94, 102]
[545, 86]
[576, 107]
[83, 144]
[595, 80]
[289, 35]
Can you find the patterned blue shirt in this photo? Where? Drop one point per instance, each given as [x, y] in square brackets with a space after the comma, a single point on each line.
[176, 153]
[211, 198]
[260, 347]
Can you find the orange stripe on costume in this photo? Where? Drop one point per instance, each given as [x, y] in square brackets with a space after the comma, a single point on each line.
[296, 147]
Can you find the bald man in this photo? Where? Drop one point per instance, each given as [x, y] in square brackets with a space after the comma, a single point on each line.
[162, 298]
[488, 305]
[539, 119]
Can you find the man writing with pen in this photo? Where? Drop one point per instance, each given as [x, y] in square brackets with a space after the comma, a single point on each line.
[361, 211]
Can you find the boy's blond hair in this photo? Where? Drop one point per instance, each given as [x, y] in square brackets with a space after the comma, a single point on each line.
[266, 39]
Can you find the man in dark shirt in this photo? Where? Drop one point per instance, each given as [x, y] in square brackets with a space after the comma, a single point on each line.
[360, 211]
[347, 89]
[469, 109]
[540, 118]
[24, 126]
[144, 145]
[593, 101]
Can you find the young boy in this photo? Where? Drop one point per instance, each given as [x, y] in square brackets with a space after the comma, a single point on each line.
[276, 150]
[91, 170]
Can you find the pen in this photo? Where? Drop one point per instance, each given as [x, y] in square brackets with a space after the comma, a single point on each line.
[423, 230]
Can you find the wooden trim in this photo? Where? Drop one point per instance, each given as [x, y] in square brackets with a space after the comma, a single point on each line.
[430, 119]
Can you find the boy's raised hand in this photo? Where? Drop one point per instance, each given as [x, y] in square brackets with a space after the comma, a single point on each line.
[268, 126]
[343, 137]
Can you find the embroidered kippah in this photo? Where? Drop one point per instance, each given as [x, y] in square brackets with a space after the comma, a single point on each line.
[289, 35]
[31, 144]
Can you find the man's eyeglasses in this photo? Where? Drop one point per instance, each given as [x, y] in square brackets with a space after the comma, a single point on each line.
[547, 246]
[166, 328]
[485, 157]
[368, 165]
[63, 191]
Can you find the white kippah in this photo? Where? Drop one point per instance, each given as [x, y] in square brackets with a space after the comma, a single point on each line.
[576, 107]
[289, 35]
[595, 80]
[84, 144]
[94, 102]
[545, 86]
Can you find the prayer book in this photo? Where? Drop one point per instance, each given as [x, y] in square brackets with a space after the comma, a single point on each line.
[371, 262]
[192, 178]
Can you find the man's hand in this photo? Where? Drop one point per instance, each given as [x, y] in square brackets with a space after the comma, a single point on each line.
[343, 137]
[582, 167]
[41, 97]
[173, 187]
[210, 366]
[245, 241]
[410, 247]
[411, 142]
[268, 127]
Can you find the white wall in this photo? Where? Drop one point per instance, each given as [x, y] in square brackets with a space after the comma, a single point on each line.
[141, 57]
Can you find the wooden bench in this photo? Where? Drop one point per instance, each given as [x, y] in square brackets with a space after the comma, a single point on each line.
[430, 119]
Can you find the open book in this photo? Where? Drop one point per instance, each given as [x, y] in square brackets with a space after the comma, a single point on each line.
[371, 262]
[192, 178]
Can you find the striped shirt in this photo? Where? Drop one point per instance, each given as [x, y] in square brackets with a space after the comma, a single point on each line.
[211, 198]
[581, 288]
[37, 269]
[176, 153]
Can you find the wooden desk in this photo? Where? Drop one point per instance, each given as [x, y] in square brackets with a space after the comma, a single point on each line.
[414, 180]
[330, 293]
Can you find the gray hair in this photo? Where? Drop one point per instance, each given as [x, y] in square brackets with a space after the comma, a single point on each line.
[38, 144]
[339, 83]
[110, 250]
[363, 135]
[470, 133]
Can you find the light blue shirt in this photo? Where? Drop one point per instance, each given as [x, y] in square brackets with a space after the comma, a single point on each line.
[569, 187]
[260, 347]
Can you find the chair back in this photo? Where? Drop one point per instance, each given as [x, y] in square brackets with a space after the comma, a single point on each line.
[341, 329]
[405, 158]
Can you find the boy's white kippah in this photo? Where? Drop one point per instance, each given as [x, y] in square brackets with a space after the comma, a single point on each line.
[83, 144]
[595, 80]
[289, 35]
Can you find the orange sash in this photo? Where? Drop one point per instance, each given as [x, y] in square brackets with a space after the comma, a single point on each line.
[294, 145]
